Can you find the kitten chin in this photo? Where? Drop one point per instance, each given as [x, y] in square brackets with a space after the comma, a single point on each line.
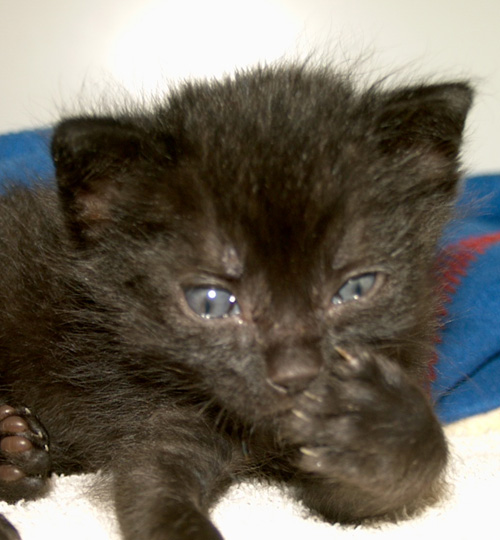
[239, 282]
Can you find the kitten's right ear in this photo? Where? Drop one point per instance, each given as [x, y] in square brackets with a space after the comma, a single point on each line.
[425, 117]
[94, 160]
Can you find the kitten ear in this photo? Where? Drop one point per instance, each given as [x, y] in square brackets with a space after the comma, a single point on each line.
[94, 160]
[426, 117]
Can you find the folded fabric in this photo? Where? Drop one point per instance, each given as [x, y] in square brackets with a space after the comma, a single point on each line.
[468, 367]
[467, 370]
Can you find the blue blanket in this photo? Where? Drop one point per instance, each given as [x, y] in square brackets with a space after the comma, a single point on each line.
[468, 353]
[467, 368]
[25, 156]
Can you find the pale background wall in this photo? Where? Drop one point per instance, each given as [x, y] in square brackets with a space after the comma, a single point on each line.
[56, 54]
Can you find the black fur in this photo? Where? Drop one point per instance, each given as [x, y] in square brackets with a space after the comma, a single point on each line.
[277, 185]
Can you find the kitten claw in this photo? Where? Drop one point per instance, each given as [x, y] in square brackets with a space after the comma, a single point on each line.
[300, 414]
[347, 356]
[309, 452]
[312, 396]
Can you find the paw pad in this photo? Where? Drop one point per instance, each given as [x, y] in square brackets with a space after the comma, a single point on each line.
[24, 454]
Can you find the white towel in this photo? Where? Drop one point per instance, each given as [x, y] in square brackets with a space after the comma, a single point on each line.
[250, 510]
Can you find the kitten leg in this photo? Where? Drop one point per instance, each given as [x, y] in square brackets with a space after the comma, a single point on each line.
[7, 530]
[369, 442]
[165, 485]
[24, 455]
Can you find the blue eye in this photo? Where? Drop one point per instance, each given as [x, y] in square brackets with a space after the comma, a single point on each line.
[355, 288]
[212, 303]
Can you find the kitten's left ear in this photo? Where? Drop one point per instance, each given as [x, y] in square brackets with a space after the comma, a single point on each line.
[426, 117]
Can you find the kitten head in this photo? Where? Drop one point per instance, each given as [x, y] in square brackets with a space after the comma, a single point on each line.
[247, 229]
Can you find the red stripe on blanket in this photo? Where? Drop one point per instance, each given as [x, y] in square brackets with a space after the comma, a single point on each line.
[452, 264]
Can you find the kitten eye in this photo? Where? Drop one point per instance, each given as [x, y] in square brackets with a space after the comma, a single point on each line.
[212, 303]
[355, 288]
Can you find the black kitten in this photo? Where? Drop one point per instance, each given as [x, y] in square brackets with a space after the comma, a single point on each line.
[237, 283]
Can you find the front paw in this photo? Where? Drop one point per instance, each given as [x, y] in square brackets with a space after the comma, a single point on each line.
[24, 455]
[370, 430]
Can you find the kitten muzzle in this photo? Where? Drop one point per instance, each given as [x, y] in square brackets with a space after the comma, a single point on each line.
[291, 369]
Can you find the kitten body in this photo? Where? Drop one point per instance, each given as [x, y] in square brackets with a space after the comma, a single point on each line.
[237, 283]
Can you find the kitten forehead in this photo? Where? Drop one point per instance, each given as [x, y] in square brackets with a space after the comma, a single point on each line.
[216, 253]
[233, 267]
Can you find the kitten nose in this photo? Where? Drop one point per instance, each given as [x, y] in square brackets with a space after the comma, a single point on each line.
[292, 368]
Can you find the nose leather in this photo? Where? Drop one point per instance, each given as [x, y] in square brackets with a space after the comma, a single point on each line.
[293, 367]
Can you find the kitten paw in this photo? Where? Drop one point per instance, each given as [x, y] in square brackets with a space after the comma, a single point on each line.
[369, 427]
[24, 455]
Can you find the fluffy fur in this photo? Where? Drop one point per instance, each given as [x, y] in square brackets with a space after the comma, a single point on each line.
[280, 186]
